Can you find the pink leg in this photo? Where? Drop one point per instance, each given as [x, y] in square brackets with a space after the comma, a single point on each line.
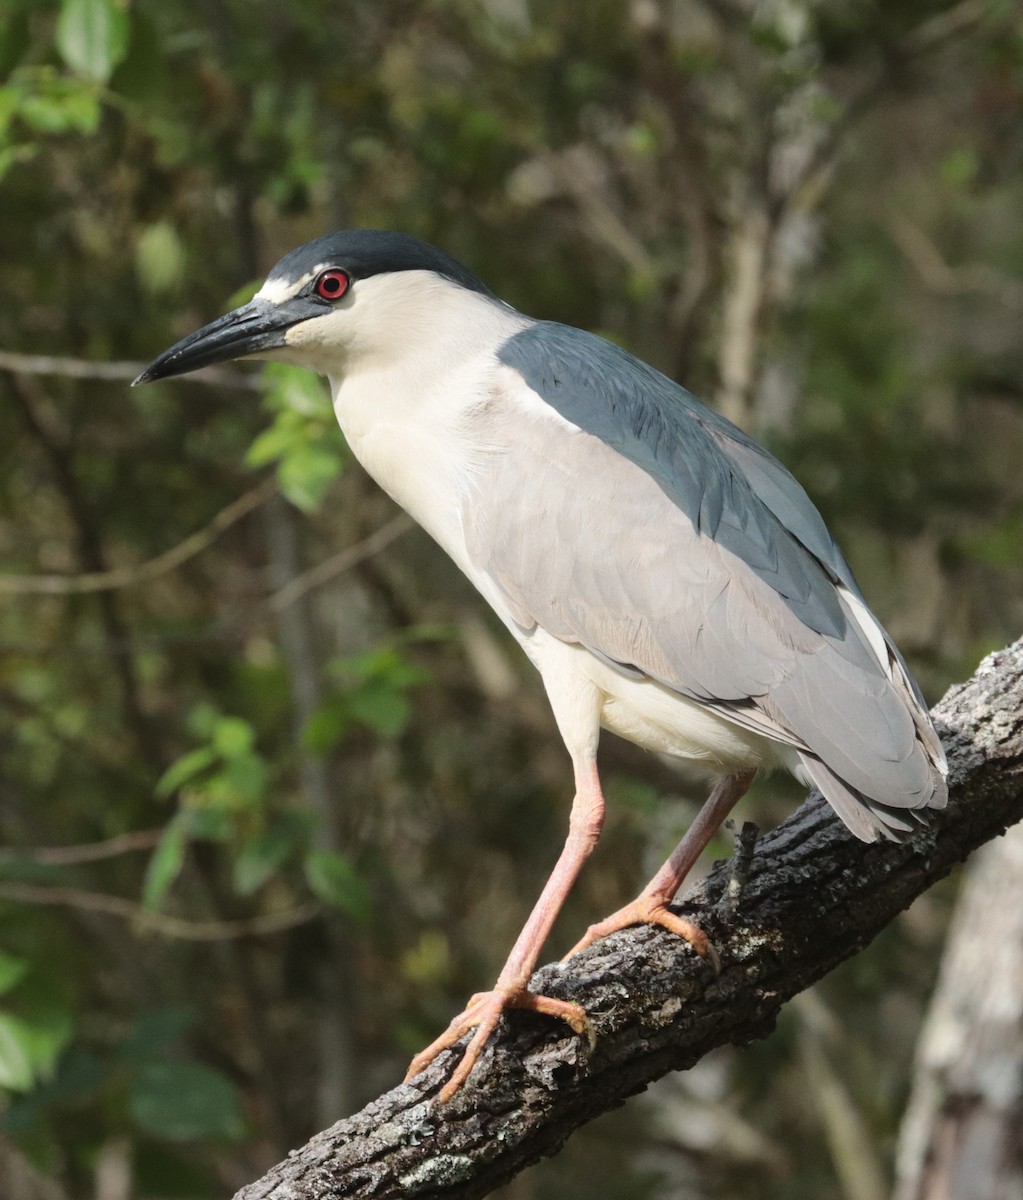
[484, 1010]
[651, 906]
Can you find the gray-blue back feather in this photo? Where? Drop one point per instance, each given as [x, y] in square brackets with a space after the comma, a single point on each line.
[731, 489]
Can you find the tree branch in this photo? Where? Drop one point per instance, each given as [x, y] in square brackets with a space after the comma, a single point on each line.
[79, 368]
[937, 275]
[152, 568]
[62, 856]
[149, 921]
[337, 564]
[814, 897]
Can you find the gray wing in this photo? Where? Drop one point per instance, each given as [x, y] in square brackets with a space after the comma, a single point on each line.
[667, 542]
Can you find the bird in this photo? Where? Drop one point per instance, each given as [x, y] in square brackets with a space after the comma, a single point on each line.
[668, 577]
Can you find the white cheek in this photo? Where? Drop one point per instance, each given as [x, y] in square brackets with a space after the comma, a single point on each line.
[319, 343]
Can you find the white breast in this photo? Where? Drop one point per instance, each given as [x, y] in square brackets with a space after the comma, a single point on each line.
[420, 357]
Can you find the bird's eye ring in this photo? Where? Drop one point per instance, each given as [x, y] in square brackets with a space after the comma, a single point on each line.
[332, 285]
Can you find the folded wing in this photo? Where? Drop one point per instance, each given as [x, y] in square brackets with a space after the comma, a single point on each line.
[626, 517]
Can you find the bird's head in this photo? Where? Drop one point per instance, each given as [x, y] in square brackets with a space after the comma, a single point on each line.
[349, 293]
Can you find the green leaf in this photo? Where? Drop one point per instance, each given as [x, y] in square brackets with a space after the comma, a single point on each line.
[243, 294]
[92, 37]
[634, 794]
[47, 1035]
[327, 725]
[428, 963]
[16, 1072]
[996, 544]
[183, 1101]
[164, 864]
[246, 776]
[210, 822]
[10, 100]
[144, 74]
[298, 390]
[60, 107]
[261, 857]
[12, 970]
[232, 736]
[160, 258]
[186, 768]
[304, 437]
[960, 167]
[306, 473]
[334, 879]
[381, 707]
[270, 444]
[79, 1073]
[202, 719]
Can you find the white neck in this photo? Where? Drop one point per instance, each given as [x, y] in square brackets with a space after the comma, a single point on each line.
[417, 356]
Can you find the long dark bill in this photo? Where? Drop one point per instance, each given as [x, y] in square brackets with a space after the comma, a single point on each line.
[252, 329]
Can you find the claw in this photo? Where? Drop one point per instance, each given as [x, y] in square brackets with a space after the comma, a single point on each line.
[482, 1014]
[651, 912]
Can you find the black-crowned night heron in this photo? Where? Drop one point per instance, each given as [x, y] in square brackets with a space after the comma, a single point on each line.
[670, 580]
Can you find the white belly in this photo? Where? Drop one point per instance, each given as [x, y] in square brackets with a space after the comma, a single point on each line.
[586, 693]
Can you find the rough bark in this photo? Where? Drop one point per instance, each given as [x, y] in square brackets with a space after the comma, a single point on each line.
[962, 1138]
[813, 897]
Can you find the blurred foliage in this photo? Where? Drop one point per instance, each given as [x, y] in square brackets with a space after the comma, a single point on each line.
[388, 793]
[303, 440]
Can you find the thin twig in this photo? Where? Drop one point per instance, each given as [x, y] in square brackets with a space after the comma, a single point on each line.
[224, 630]
[344, 560]
[156, 922]
[122, 577]
[947, 280]
[947, 25]
[78, 368]
[61, 856]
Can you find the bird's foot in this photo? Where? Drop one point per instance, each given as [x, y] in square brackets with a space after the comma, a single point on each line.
[482, 1013]
[648, 910]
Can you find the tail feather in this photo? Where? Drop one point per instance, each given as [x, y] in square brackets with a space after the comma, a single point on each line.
[866, 817]
[885, 769]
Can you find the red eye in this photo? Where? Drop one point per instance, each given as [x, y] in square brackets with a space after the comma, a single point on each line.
[332, 285]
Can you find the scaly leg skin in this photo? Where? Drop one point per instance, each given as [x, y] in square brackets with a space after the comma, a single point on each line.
[484, 1009]
[651, 906]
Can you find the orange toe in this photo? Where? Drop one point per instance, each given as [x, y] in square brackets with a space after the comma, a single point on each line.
[482, 1014]
[646, 911]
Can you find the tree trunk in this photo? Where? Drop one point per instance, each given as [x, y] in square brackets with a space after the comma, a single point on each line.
[962, 1138]
[337, 1054]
